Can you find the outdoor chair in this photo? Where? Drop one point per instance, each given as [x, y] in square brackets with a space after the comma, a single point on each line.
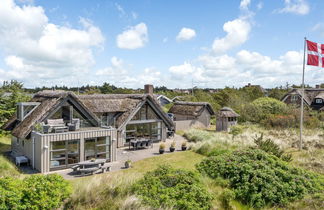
[74, 125]
[75, 168]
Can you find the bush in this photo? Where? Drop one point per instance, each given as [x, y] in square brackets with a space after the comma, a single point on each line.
[167, 187]
[280, 121]
[34, 192]
[10, 193]
[270, 147]
[258, 178]
[226, 197]
[261, 107]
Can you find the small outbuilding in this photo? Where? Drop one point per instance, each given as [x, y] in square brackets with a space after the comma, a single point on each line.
[225, 118]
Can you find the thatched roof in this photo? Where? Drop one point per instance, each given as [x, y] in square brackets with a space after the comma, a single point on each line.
[190, 108]
[227, 112]
[93, 105]
[309, 96]
[126, 104]
[49, 100]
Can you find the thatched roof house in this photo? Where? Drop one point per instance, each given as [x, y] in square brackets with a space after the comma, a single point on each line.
[313, 97]
[192, 114]
[193, 109]
[124, 105]
[49, 101]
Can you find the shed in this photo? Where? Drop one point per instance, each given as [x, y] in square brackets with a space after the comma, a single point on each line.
[225, 118]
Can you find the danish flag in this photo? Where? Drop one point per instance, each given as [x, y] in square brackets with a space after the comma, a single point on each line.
[315, 54]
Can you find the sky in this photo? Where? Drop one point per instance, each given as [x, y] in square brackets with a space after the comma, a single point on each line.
[178, 44]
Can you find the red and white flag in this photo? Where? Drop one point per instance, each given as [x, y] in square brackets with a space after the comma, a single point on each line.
[315, 54]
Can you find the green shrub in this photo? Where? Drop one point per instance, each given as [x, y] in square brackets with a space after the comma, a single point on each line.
[261, 107]
[34, 192]
[11, 193]
[280, 121]
[235, 130]
[259, 179]
[226, 197]
[167, 187]
[272, 148]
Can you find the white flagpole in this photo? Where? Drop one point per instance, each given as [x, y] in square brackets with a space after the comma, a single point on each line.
[302, 101]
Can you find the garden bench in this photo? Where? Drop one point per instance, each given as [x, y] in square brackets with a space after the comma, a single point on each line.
[105, 169]
[91, 171]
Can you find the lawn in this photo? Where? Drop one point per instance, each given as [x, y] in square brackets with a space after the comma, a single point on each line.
[7, 168]
[113, 189]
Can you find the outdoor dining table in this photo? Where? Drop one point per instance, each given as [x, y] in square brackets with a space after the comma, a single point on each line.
[139, 142]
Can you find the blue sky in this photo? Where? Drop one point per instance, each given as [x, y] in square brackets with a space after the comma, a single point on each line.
[171, 43]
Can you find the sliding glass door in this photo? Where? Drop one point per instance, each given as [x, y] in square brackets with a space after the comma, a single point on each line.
[64, 153]
[150, 130]
[97, 148]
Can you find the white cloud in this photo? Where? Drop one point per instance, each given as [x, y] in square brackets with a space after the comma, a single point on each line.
[237, 33]
[183, 69]
[186, 34]
[133, 38]
[245, 4]
[117, 68]
[37, 49]
[299, 7]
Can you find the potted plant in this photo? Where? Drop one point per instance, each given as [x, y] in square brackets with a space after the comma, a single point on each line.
[128, 163]
[184, 146]
[172, 147]
[162, 147]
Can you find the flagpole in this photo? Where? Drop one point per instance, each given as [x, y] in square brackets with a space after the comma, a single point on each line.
[302, 101]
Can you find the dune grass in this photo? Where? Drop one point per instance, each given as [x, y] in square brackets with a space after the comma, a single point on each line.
[113, 189]
[7, 168]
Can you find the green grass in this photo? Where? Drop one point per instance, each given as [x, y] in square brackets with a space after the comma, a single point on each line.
[5, 144]
[7, 168]
[113, 189]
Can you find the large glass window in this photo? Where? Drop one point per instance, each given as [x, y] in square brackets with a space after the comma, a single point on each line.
[64, 153]
[97, 148]
[144, 130]
[145, 113]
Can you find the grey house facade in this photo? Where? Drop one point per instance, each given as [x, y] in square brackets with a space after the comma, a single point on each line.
[191, 114]
[58, 129]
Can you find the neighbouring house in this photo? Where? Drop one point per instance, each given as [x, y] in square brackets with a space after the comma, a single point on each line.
[225, 118]
[313, 98]
[191, 114]
[58, 129]
[163, 100]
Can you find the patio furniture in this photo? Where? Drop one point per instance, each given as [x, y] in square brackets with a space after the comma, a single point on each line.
[105, 169]
[56, 125]
[75, 168]
[140, 143]
[21, 159]
[74, 125]
[91, 171]
[91, 164]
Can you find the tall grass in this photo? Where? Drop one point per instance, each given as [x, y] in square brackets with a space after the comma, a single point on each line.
[113, 190]
[7, 168]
